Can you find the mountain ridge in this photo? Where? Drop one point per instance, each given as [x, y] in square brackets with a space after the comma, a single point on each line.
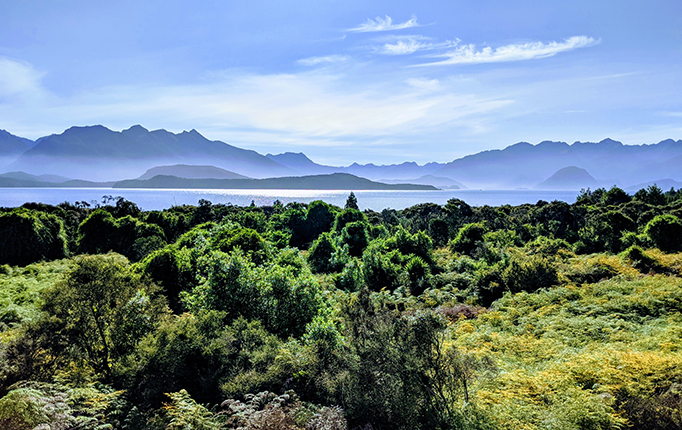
[97, 153]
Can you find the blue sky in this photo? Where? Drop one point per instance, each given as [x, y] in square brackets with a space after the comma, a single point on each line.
[344, 81]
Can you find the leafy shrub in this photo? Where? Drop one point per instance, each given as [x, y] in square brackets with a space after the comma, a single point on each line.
[665, 231]
[29, 236]
[248, 240]
[354, 234]
[529, 273]
[320, 254]
[382, 269]
[101, 310]
[468, 238]
[347, 216]
[639, 260]
[171, 270]
[418, 273]
[100, 233]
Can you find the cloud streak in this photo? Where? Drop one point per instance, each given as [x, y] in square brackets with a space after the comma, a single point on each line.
[384, 24]
[405, 45]
[468, 54]
[327, 59]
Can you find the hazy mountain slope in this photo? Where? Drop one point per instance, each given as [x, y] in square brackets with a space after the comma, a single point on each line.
[11, 147]
[192, 172]
[524, 164]
[569, 178]
[336, 181]
[393, 172]
[664, 184]
[436, 181]
[97, 153]
[40, 178]
[299, 162]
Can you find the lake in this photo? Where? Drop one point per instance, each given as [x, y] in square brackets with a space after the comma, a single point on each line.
[157, 199]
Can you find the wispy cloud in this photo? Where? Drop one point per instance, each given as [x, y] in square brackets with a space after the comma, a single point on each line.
[384, 24]
[468, 54]
[19, 79]
[327, 59]
[403, 45]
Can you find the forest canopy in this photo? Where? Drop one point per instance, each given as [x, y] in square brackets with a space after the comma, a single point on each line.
[312, 316]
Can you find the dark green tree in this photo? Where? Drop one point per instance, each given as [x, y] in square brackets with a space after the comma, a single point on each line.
[320, 254]
[351, 202]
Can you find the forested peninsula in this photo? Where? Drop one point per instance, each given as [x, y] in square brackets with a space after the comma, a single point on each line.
[311, 316]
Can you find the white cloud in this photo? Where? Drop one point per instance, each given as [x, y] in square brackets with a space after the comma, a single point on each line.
[19, 79]
[424, 84]
[384, 24]
[327, 59]
[467, 54]
[403, 45]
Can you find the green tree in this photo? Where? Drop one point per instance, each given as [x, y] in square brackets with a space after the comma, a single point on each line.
[352, 202]
[615, 196]
[320, 218]
[102, 309]
[346, 216]
[321, 253]
[354, 235]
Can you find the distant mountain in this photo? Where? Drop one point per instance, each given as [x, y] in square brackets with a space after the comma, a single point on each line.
[664, 184]
[97, 153]
[524, 165]
[40, 178]
[11, 147]
[569, 178]
[336, 181]
[436, 181]
[393, 172]
[192, 172]
[25, 180]
[299, 162]
[401, 171]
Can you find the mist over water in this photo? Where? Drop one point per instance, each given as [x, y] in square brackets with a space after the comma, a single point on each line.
[158, 199]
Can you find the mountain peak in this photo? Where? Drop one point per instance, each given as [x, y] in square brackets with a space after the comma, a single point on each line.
[137, 128]
[610, 142]
[569, 178]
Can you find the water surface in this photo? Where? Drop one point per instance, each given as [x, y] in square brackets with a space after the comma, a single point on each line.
[157, 199]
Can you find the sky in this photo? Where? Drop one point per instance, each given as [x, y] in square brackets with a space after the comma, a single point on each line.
[347, 81]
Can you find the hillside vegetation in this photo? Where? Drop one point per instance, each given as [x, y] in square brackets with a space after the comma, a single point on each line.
[311, 316]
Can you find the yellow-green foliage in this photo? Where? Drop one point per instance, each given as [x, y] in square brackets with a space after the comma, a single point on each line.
[20, 289]
[570, 357]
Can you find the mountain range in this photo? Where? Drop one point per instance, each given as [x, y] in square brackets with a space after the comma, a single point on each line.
[96, 153]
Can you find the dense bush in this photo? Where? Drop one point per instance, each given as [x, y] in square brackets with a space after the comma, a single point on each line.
[665, 231]
[28, 236]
